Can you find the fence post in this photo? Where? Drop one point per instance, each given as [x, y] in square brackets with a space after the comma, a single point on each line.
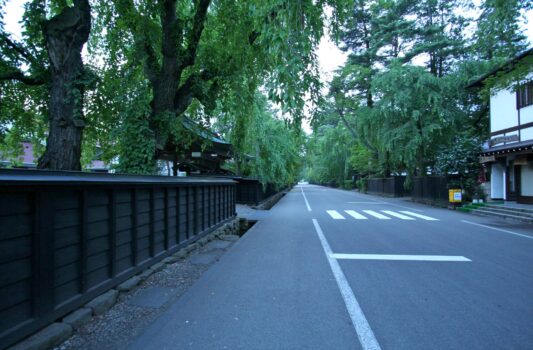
[167, 218]
[134, 231]
[83, 241]
[197, 217]
[43, 258]
[178, 215]
[112, 233]
[152, 222]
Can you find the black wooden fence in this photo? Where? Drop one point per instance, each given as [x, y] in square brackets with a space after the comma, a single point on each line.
[430, 189]
[390, 186]
[251, 191]
[66, 237]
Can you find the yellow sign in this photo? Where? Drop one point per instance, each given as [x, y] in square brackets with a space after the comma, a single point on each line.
[455, 196]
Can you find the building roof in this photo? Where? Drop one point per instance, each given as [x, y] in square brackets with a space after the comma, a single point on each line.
[203, 132]
[510, 148]
[505, 67]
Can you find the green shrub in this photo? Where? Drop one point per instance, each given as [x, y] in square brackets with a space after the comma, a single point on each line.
[348, 185]
[361, 185]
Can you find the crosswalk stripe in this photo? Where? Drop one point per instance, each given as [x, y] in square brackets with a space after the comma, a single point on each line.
[335, 215]
[398, 215]
[376, 215]
[428, 218]
[356, 215]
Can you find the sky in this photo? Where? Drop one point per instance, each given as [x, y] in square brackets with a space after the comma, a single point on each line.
[330, 57]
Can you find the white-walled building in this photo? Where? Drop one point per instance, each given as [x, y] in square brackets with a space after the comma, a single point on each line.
[510, 151]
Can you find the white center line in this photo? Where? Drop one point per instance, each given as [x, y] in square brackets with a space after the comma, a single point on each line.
[376, 215]
[498, 229]
[335, 214]
[399, 257]
[356, 215]
[305, 198]
[398, 215]
[362, 328]
[420, 216]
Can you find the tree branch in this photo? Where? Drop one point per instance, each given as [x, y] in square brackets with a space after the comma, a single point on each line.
[189, 90]
[195, 34]
[18, 48]
[129, 14]
[19, 76]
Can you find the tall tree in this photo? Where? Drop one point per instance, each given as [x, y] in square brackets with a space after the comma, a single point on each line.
[498, 33]
[196, 55]
[61, 40]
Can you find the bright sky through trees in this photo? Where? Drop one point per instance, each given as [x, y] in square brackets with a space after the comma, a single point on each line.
[330, 57]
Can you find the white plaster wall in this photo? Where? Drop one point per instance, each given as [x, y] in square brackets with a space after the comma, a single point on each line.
[526, 114]
[526, 134]
[497, 181]
[527, 179]
[503, 112]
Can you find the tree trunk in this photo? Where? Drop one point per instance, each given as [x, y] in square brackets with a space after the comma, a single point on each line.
[175, 164]
[65, 35]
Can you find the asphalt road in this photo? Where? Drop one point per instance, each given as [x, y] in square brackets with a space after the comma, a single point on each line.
[331, 269]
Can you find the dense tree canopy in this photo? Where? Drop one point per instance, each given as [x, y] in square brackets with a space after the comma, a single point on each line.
[147, 65]
[115, 80]
[400, 102]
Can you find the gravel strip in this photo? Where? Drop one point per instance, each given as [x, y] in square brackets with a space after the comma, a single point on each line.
[124, 321]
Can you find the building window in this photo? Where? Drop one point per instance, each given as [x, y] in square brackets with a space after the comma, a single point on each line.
[524, 95]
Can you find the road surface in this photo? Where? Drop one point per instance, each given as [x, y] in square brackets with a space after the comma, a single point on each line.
[333, 269]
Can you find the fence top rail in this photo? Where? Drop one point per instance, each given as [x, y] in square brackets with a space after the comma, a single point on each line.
[15, 177]
[232, 177]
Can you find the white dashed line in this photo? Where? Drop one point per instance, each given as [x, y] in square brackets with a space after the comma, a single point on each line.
[356, 215]
[305, 198]
[335, 215]
[420, 216]
[398, 215]
[376, 215]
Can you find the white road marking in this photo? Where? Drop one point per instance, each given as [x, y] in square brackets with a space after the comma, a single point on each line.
[399, 257]
[305, 198]
[367, 202]
[362, 328]
[428, 218]
[498, 229]
[398, 215]
[376, 215]
[387, 203]
[356, 215]
[335, 215]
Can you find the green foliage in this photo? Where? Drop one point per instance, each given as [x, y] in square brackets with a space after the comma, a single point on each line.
[498, 33]
[327, 155]
[348, 185]
[267, 148]
[362, 184]
[413, 119]
[244, 45]
[136, 146]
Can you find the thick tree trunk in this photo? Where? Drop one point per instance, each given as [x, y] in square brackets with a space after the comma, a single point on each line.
[165, 86]
[65, 35]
